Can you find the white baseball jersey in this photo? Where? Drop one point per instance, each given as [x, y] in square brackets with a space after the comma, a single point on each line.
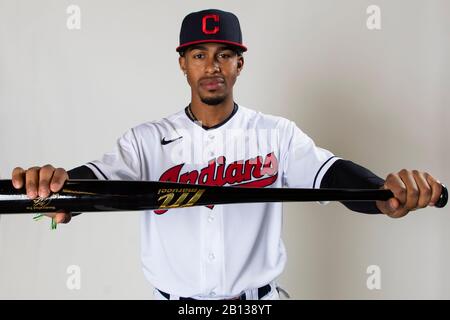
[215, 252]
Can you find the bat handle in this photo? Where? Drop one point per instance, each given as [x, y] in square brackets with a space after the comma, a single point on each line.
[442, 201]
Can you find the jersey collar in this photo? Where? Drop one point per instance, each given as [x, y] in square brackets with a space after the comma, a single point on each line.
[191, 116]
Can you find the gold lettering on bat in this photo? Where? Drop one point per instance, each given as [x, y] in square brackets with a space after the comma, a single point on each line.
[180, 201]
[79, 192]
[43, 203]
[166, 200]
[165, 190]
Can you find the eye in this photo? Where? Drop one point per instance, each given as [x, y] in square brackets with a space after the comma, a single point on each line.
[224, 55]
[198, 56]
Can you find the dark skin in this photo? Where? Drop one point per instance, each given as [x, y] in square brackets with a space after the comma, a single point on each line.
[212, 70]
[412, 189]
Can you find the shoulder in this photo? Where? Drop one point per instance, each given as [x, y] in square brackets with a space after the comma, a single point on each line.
[287, 130]
[264, 120]
[157, 128]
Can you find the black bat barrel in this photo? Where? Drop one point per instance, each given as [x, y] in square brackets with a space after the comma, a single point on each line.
[97, 195]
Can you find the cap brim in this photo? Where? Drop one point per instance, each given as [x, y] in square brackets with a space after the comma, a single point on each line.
[188, 44]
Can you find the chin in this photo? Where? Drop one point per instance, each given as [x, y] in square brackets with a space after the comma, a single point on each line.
[213, 101]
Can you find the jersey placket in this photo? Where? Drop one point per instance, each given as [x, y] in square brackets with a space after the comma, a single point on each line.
[213, 261]
[213, 230]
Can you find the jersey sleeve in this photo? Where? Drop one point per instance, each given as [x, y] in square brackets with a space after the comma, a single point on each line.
[305, 164]
[122, 163]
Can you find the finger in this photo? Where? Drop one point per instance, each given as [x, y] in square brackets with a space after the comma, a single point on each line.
[45, 175]
[63, 217]
[398, 188]
[424, 189]
[18, 177]
[32, 182]
[59, 217]
[412, 190]
[59, 177]
[50, 214]
[436, 189]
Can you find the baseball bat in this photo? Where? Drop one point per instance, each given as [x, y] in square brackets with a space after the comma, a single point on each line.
[101, 195]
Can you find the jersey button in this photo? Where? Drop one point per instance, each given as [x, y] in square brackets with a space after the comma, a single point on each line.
[211, 256]
[211, 137]
[210, 218]
[212, 294]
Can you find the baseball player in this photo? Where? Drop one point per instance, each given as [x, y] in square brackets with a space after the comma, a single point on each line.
[224, 251]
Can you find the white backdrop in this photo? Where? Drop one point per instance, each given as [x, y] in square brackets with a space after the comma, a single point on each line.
[377, 97]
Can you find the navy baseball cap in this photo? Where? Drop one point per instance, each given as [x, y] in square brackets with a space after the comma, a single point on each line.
[210, 25]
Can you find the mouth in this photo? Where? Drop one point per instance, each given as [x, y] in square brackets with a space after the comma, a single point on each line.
[212, 84]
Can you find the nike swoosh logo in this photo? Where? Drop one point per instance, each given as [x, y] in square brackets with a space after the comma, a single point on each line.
[164, 141]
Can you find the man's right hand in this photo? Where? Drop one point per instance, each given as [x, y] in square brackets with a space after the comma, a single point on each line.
[41, 182]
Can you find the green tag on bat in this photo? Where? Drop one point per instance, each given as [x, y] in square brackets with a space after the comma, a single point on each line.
[53, 223]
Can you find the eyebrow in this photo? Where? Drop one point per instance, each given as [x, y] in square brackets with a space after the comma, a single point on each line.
[200, 47]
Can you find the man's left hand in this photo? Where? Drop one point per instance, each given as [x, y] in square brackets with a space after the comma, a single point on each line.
[412, 190]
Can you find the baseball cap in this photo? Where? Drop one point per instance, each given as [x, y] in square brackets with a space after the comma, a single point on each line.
[210, 25]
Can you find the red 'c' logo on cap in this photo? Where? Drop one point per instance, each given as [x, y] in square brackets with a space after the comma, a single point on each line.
[215, 17]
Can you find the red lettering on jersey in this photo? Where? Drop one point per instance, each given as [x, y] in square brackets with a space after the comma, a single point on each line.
[189, 177]
[172, 174]
[215, 17]
[207, 174]
[270, 166]
[234, 173]
[256, 172]
[218, 173]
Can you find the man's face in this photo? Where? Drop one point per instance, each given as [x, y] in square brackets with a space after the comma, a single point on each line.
[211, 70]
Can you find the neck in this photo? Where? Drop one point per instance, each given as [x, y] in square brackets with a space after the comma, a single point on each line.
[212, 115]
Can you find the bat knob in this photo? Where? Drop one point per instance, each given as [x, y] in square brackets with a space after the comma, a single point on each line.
[442, 201]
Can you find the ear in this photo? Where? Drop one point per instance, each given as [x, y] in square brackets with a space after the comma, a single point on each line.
[240, 64]
[182, 62]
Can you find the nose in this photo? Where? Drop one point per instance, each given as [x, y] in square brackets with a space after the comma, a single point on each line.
[212, 65]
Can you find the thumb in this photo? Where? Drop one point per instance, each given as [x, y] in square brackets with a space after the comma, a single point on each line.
[393, 204]
[388, 206]
[62, 217]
